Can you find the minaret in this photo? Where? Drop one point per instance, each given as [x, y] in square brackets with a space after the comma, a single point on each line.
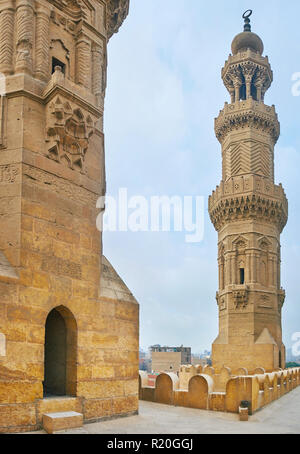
[249, 212]
[68, 323]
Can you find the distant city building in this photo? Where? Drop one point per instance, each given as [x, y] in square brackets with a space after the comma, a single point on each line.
[201, 359]
[144, 361]
[169, 359]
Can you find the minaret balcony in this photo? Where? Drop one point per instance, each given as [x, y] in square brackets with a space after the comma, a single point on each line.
[245, 197]
[247, 114]
[245, 56]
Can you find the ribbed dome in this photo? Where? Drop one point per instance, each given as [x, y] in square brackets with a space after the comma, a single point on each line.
[247, 40]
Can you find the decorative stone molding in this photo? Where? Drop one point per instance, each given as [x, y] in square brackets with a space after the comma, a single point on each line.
[265, 302]
[246, 185]
[248, 156]
[7, 19]
[116, 13]
[9, 173]
[40, 178]
[99, 72]
[247, 114]
[68, 133]
[249, 68]
[83, 62]
[281, 298]
[248, 197]
[42, 43]
[24, 36]
[3, 119]
[248, 207]
[73, 8]
[221, 301]
[240, 296]
[68, 24]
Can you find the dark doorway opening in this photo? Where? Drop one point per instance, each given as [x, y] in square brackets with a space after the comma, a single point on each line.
[55, 355]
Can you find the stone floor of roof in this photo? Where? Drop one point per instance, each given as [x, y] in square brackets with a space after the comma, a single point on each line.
[280, 417]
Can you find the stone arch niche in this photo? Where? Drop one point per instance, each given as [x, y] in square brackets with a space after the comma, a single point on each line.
[165, 385]
[60, 353]
[240, 266]
[199, 388]
[59, 56]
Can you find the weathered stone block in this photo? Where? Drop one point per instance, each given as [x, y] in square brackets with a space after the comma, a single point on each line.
[97, 408]
[54, 422]
[14, 416]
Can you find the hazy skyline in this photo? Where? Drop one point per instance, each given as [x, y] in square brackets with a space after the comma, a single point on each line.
[164, 91]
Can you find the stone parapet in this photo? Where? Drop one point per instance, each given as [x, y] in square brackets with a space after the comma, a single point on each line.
[222, 390]
[248, 196]
[247, 114]
[243, 57]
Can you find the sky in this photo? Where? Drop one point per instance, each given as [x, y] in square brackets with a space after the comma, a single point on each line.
[164, 91]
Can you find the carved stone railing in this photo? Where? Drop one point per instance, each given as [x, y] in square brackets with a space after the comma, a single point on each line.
[248, 113]
[244, 56]
[248, 196]
[250, 68]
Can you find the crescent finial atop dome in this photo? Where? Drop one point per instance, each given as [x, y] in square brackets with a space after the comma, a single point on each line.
[247, 39]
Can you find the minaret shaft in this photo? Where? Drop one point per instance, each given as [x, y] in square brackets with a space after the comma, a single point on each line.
[249, 212]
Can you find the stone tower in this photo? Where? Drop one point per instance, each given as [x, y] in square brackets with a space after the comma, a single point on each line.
[249, 211]
[68, 323]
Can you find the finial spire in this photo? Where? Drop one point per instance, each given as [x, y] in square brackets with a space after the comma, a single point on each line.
[246, 16]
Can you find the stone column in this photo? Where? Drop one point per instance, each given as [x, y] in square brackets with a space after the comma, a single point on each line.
[248, 79]
[259, 82]
[42, 68]
[259, 91]
[97, 73]
[269, 276]
[237, 86]
[222, 275]
[275, 271]
[227, 270]
[25, 35]
[83, 62]
[230, 269]
[233, 268]
[248, 267]
[255, 266]
[7, 14]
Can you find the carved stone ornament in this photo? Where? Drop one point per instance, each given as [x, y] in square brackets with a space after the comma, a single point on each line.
[251, 118]
[249, 207]
[116, 12]
[240, 297]
[281, 299]
[221, 301]
[68, 133]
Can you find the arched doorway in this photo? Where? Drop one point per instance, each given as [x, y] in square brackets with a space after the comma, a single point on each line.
[60, 360]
